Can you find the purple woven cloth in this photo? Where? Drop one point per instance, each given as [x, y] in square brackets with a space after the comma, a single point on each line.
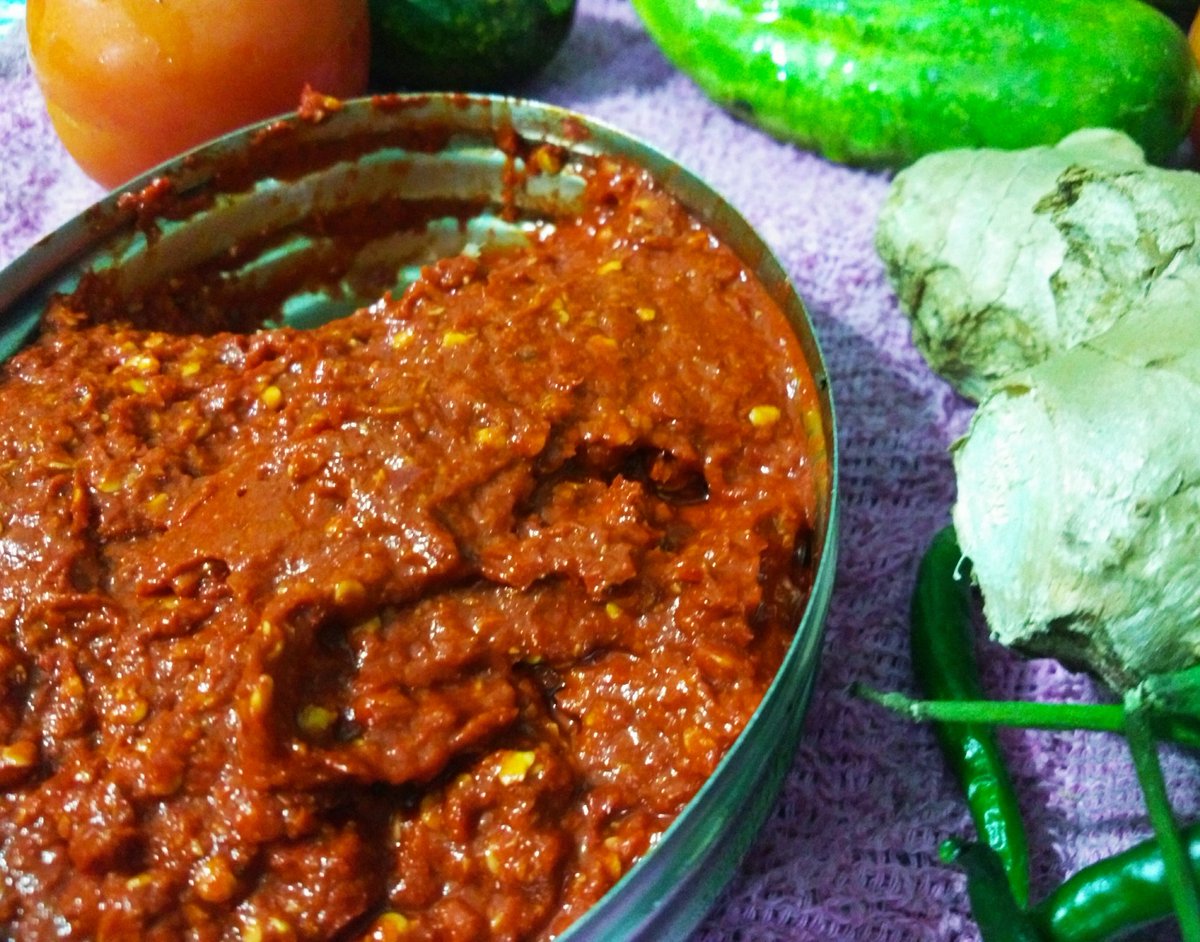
[850, 851]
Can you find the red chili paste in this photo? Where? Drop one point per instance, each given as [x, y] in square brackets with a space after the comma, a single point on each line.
[422, 624]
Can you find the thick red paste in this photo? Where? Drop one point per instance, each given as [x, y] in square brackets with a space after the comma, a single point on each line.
[421, 624]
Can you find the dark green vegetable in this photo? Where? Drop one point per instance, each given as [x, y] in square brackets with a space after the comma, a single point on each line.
[463, 45]
[998, 915]
[1113, 895]
[943, 652]
[882, 82]
[1183, 12]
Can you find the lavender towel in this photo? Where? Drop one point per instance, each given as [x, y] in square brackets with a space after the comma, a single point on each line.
[850, 850]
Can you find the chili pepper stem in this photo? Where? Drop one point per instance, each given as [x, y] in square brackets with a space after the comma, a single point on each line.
[1022, 714]
[1181, 880]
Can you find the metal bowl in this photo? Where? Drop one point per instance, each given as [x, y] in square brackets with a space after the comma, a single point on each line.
[396, 182]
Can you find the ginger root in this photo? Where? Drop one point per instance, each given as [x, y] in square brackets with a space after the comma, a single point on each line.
[1003, 258]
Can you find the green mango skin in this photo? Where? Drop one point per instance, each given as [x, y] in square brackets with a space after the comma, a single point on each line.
[883, 82]
[463, 45]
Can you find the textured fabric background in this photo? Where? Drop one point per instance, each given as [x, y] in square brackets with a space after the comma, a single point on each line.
[850, 850]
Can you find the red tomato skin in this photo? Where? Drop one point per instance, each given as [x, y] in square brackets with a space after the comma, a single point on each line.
[131, 84]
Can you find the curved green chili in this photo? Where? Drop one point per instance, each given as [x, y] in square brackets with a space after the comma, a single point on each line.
[1142, 885]
[944, 663]
[1114, 895]
[998, 915]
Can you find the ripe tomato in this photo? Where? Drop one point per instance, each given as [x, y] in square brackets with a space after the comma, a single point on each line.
[130, 84]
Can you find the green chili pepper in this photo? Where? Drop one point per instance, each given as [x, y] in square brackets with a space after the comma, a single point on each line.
[1142, 885]
[997, 913]
[1113, 895]
[944, 663]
